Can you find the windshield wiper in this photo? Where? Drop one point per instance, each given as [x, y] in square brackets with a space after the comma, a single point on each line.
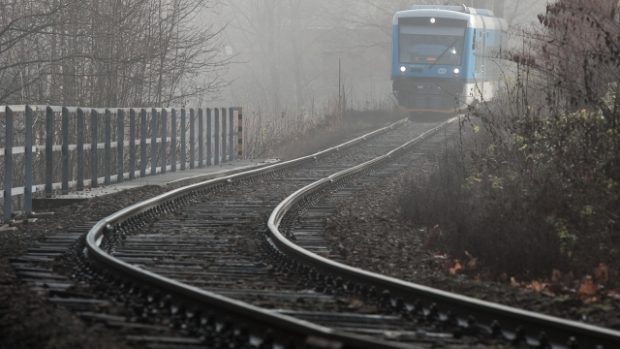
[444, 52]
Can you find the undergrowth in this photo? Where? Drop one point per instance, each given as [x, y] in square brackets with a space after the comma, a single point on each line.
[533, 186]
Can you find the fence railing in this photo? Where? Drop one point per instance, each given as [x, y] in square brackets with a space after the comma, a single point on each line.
[52, 150]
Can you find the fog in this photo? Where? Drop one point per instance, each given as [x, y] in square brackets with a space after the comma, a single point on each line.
[288, 58]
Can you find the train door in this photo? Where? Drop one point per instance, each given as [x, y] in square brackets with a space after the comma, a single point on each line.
[479, 85]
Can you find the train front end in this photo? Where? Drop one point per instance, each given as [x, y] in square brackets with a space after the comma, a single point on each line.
[431, 54]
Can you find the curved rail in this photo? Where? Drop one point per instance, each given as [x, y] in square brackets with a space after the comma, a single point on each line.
[254, 317]
[520, 324]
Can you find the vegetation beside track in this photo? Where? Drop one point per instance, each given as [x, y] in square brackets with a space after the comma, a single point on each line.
[532, 191]
[332, 130]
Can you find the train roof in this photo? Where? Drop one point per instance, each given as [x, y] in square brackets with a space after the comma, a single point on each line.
[462, 9]
[475, 17]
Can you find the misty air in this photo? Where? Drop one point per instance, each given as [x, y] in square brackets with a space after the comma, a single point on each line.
[312, 174]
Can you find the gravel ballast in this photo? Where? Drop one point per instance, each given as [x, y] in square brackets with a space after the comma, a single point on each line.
[369, 232]
[29, 320]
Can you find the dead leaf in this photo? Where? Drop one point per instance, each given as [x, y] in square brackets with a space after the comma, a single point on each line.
[614, 294]
[537, 286]
[356, 304]
[455, 268]
[601, 273]
[590, 300]
[472, 263]
[514, 282]
[587, 288]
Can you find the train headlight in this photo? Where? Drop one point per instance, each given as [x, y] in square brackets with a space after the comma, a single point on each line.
[433, 20]
[457, 71]
[403, 69]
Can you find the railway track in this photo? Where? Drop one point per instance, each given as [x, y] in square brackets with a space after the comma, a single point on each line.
[219, 246]
[214, 265]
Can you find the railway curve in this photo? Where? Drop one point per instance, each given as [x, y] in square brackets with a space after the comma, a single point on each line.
[212, 256]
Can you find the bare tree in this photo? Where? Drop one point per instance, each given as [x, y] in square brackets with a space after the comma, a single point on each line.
[139, 52]
[20, 26]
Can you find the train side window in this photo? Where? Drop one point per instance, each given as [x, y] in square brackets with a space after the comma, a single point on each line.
[473, 42]
[480, 53]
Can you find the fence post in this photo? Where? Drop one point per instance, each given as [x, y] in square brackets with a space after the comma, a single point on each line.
[200, 138]
[209, 138]
[183, 139]
[93, 149]
[132, 144]
[192, 138]
[231, 133]
[153, 142]
[8, 164]
[65, 151]
[240, 134]
[49, 151]
[28, 162]
[173, 145]
[80, 149]
[164, 136]
[143, 143]
[224, 147]
[107, 165]
[216, 132]
[120, 145]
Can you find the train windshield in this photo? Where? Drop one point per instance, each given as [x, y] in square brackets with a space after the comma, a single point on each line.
[431, 49]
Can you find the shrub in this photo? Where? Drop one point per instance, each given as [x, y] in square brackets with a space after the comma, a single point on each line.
[534, 185]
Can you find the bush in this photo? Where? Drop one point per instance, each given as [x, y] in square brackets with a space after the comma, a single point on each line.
[534, 185]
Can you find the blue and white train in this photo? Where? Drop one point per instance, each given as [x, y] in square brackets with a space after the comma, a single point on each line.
[443, 57]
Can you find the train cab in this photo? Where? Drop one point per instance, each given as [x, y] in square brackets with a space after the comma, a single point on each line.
[441, 57]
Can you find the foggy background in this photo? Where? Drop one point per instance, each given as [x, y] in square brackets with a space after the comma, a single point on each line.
[287, 55]
[291, 64]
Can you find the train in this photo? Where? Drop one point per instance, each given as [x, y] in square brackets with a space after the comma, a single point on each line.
[443, 57]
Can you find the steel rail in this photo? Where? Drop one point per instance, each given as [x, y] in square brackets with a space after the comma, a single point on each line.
[522, 324]
[300, 331]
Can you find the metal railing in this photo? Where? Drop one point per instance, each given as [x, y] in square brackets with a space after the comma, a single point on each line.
[50, 150]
